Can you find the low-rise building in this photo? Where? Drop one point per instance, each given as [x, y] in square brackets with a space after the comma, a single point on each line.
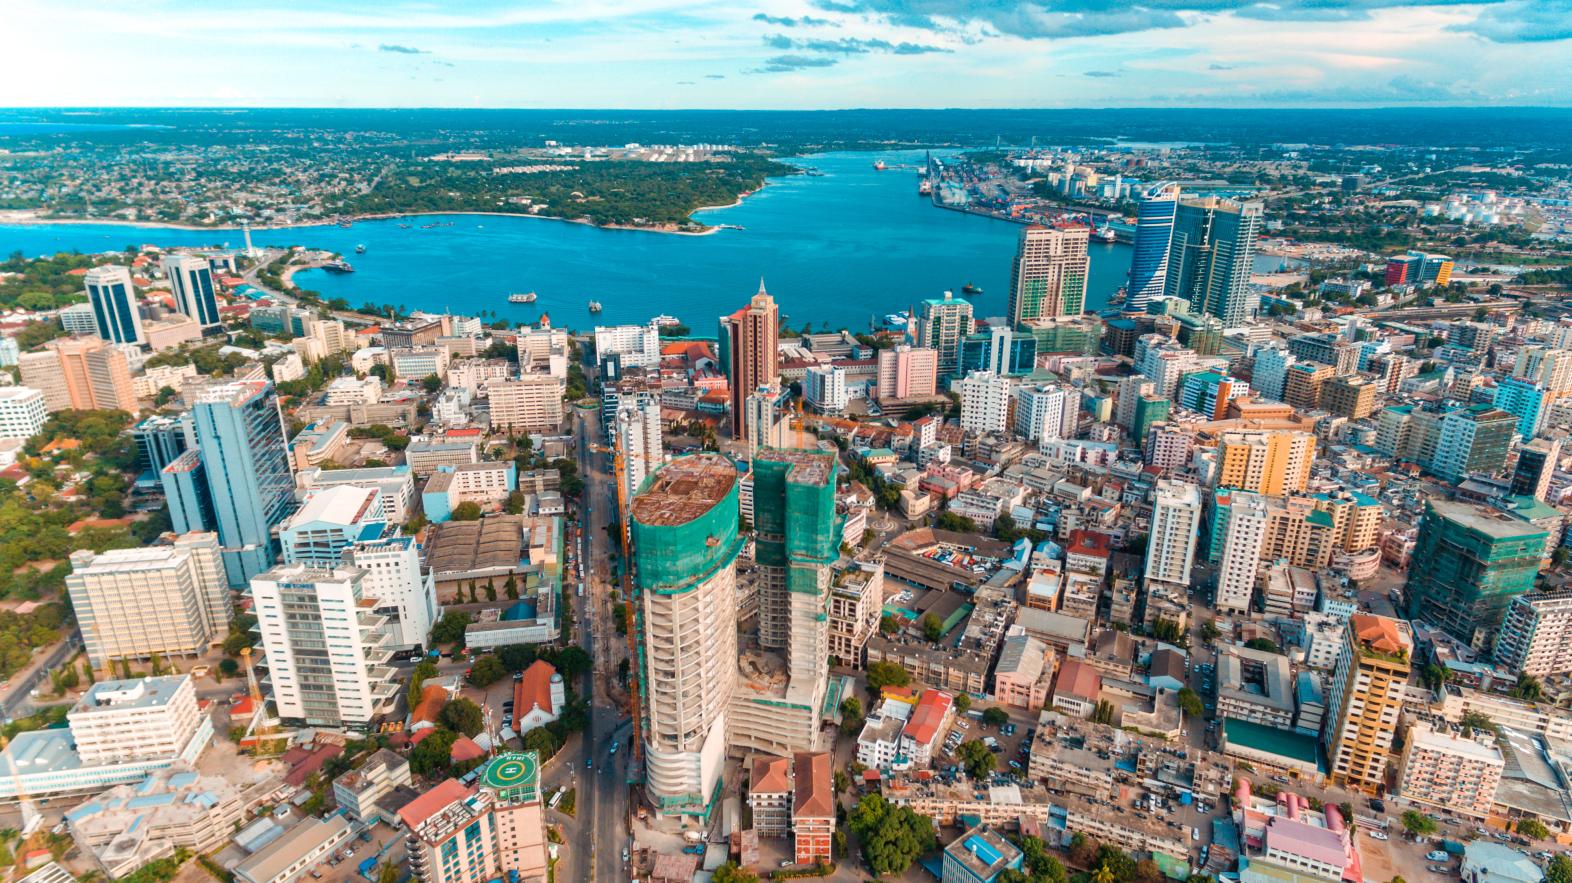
[981, 855]
[1449, 771]
[812, 807]
[296, 851]
[770, 795]
[359, 791]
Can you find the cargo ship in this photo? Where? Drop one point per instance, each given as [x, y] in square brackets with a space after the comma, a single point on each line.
[527, 297]
[924, 188]
[338, 267]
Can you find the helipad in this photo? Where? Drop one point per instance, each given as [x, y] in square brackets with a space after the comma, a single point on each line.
[513, 775]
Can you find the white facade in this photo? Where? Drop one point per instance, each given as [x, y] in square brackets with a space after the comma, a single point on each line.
[22, 412]
[639, 433]
[1270, 374]
[533, 403]
[326, 651]
[191, 283]
[824, 386]
[1536, 634]
[638, 346]
[132, 603]
[1046, 413]
[1241, 558]
[477, 375]
[395, 483]
[405, 595]
[118, 721]
[1176, 523]
[418, 363]
[985, 402]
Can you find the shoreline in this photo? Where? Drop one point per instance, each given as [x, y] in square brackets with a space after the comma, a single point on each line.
[30, 218]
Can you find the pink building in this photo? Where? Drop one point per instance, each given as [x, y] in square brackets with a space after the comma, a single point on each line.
[1024, 676]
[1285, 835]
[907, 372]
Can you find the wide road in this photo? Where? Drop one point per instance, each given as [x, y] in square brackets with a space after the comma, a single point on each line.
[16, 697]
[605, 791]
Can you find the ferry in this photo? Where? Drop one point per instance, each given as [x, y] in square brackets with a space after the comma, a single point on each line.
[527, 297]
[1107, 234]
[338, 267]
[664, 320]
[594, 306]
[970, 288]
[879, 166]
[896, 320]
[924, 188]
[360, 249]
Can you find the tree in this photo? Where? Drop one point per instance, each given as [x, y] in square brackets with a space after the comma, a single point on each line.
[1209, 631]
[467, 511]
[1103, 713]
[995, 716]
[1190, 702]
[1559, 869]
[487, 670]
[892, 837]
[963, 703]
[887, 674]
[958, 523]
[1418, 824]
[463, 716]
[450, 627]
[976, 759]
[434, 754]
[932, 626]
[1044, 867]
[731, 873]
[1474, 719]
[851, 714]
[1266, 645]
[1528, 688]
[541, 740]
[1533, 829]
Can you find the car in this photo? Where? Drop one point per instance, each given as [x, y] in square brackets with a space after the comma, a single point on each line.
[1195, 833]
[786, 862]
[1378, 835]
[963, 725]
[1438, 869]
[624, 855]
[1437, 855]
[1378, 804]
[613, 750]
[589, 763]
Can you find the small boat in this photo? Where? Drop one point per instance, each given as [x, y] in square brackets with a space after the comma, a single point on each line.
[924, 188]
[594, 306]
[527, 297]
[405, 226]
[969, 288]
[879, 166]
[1107, 234]
[360, 249]
[338, 267]
[664, 320]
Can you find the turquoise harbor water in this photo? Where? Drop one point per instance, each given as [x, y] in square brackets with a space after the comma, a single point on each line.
[841, 247]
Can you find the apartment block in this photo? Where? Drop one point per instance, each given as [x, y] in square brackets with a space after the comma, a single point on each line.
[1366, 699]
[1449, 771]
[170, 600]
[533, 403]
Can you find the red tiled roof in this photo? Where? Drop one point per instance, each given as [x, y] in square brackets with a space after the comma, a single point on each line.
[1079, 679]
[432, 698]
[770, 775]
[927, 717]
[303, 762]
[432, 802]
[812, 798]
[1088, 542]
[464, 748]
[534, 689]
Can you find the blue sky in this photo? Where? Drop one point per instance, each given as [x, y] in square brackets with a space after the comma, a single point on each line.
[785, 53]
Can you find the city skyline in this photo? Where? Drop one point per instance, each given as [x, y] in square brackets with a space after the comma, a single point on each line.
[798, 54]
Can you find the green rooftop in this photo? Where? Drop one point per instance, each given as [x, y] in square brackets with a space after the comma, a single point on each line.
[1258, 737]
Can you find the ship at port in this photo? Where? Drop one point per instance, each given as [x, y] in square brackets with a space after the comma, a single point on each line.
[1107, 234]
[360, 249]
[525, 297]
[878, 165]
[594, 306]
[924, 188]
[338, 267]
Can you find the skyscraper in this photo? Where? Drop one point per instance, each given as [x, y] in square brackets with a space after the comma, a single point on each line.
[749, 353]
[1210, 257]
[797, 539]
[1048, 278]
[191, 281]
[1468, 564]
[240, 442]
[639, 434]
[326, 652]
[80, 373]
[132, 603]
[1366, 699]
[113, 297]
[1154, 228]
[942, 323]
[1176, 523]
[685, 546]
[985, 402]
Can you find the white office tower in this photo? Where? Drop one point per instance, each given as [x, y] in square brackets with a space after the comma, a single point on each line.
[636, 346]
[1176, 522]
[1270, 374]
[403, 594]
[191, 282]
[326, 650]
[131, 603]
[985, 402]
[1046, 413]
[1241, 558]
[1164, 360]
[824, 386]
[639, 435]
[1536, 634]
[685, 546]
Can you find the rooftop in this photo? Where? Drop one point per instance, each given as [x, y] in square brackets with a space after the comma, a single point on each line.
[491, 542]
[143, 693]
[812, 797]
[342, 504]
[1493, 523]
[684, 489]
[983, 852]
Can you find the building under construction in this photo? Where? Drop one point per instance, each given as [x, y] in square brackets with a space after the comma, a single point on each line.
[780, 697]
[683, 529]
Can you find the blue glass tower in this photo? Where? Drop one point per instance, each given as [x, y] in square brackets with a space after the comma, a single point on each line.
[113, 298]
[191, 279]
[240, 439]
[1154, 227]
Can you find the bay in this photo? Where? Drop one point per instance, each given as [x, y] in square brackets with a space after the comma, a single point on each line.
[841, 247]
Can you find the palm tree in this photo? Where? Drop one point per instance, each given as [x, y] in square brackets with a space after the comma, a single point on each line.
[1103, 874]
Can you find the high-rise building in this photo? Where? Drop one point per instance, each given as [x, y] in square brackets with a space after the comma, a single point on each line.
[1240, 560]
[1302, 384]
[797, 540]
[1366, 699]
[1536, 465]
[1176, 523]
[80, 373]
[1150, 409]
[191, 278]
[942, 323]
[22, 412]
[685, 545]
[1154, 228]
[824, 388]
[639, 436]
[132, 603]
[1449, 771]
[1468, 564]
[765, 421]
[636, 346]
[1165, 361]
[239, 432]
[1349, 397]
[1546, 366]
[1127, 394]
[1046, 413]
[404, 595]
[1536, 634]
[1000, 349]
[907, 372]
[532, 403]
[1528, 402]
[495, 829]
[1267, 461]
[1208, 393]
[330, 521]
[1269, 377]
[326, 651]
[749, 353]
[1048, 278]
[1210, 256]
[1475, 439]
[115, 310]
[985, 402]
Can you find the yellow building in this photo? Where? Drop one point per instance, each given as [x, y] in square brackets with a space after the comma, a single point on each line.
[1271, 462]
[1366, 700]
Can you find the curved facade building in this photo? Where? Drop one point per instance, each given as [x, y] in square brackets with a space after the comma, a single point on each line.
[1154, 227]
[685, 545]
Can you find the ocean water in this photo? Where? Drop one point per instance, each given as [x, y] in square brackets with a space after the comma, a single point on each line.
[842, 248]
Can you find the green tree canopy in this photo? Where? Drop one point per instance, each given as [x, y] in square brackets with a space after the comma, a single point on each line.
[463, 716]
[892, 837]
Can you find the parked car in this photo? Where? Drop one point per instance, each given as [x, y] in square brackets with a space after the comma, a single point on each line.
[1437, 855]
[1378, 835]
